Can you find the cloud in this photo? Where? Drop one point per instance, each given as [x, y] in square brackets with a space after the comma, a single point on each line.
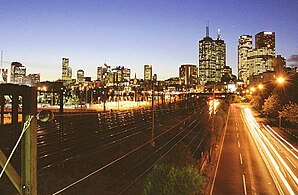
[293, 61]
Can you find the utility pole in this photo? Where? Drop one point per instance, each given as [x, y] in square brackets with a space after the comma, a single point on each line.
[152, 132]
[105, 91]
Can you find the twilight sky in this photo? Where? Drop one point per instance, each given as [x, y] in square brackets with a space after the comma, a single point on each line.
[164, 33]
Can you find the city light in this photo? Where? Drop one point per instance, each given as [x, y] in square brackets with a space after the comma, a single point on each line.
[280, 80]
[260, 86]
[213, 106]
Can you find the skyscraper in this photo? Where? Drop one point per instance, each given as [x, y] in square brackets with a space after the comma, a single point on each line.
[3, 75]
[244, 47]
[212, 58]
[80, 76]
[261, 58]
[265, 39]
[188, 74]
[258, 60]
[147, 72]
[32, 79]
[126, 74]
[121, 75]
[17, 73]
[66, 71]
[99, 73]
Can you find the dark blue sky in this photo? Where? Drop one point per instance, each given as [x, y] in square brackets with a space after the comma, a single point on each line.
[132, 33]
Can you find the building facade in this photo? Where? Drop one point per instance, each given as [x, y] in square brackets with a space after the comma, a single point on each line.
[188, 74]
[265, 39]
[244, 48]
[147, 72]
[3, 75]
[17, 73]
[80, 76]
[260, 60]
[34, 78]
[254, 61]
[66, 71]
[212, 59]
[121, 75]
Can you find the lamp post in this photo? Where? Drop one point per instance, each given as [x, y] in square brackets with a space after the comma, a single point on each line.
[280, 81]
[152, 130]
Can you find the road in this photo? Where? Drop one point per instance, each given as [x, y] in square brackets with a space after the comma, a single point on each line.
[254, 158]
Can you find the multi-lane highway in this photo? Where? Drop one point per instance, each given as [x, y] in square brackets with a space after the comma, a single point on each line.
[254, 158]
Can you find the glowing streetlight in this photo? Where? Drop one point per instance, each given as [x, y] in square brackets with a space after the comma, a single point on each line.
[280, 80]
[260, 86]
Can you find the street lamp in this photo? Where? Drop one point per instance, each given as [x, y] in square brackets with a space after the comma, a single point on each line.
[260, 86]
[280, 81]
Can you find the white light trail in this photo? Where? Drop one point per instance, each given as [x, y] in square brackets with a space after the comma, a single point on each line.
[295, 149]
[257, 135]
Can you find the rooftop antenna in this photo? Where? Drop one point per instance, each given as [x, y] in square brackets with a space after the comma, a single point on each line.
[218, 34]
[207, 29]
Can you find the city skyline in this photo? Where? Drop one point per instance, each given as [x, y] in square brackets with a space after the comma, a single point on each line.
[133, 33]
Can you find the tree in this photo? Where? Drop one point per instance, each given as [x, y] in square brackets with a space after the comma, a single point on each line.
[290, 112]
[271, 105]
[168, 180]
[176, 174]
[180, 156]
[257, 102]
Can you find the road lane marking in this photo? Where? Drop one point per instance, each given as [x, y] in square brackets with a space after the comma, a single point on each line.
[241, 162]
[238, 144]
[244, 184]
[237, 135]
[236, 128]
[291, 162]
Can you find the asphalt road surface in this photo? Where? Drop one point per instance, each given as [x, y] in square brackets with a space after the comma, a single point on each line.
[242, 168]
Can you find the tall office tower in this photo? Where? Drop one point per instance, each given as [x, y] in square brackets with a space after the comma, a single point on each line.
[3, 75]
[102, 73]
[220, 57]
[99, 73]
[80, 76]
[265, 39]
[244, 47]
[147, 72]
[212, 58]
[261, 58]
[154, 77]
[32, 79]
[17, 73]
[121, 75]
[126, 75]
[66, 71]
[188, 74]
